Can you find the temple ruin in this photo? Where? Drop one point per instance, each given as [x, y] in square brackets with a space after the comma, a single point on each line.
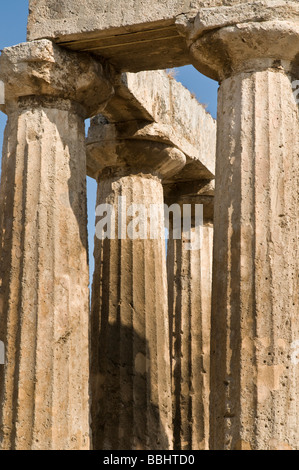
[196, 350]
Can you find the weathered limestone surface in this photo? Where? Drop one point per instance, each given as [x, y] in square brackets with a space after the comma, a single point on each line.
[238, 12]
[178, 118]
[155, 106]
[255, 327]
[122, 31]
[68, 17]
[132, 34]
[252, 49]
[44, 298]
[244, 28]
[130, 367]
[169, 112]
[40, 68]
[189, 297]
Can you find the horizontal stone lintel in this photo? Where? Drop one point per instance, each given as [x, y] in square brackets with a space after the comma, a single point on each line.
[152, 105]
[147, 47]
[134, 35]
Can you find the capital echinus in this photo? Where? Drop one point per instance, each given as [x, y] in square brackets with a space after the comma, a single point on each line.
[42, 70]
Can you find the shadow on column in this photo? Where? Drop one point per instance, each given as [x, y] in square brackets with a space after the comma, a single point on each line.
[124, 415]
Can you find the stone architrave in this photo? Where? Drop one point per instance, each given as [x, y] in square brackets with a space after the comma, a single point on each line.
[134, 35]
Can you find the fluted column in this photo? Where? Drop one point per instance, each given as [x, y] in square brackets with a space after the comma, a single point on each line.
[44, 298]
[255, 323]
[189, 270]
[130, 366]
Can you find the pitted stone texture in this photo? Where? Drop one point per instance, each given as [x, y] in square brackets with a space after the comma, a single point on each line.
[254, 373]
[162, 109]
[255, 327]
[58, 18]
[241, 40]
[41, 68]
[61, 17]
[238, 12]
[134, 37]
[44, 297]
[130, 367]
[190, 285]
[189, 297]
[122, 31]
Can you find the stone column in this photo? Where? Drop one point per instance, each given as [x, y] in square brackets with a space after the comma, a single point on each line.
[44, 298]
[189, 297]
[255, 322]
[130, 367]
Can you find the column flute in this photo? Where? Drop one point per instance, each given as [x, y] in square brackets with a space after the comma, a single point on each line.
[130, 367]
[44, 297]
[255, 325]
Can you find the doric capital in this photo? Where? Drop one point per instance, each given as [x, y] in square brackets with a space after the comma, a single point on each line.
[246, 37]
[129, 148]
[41, 68]
[192, 192]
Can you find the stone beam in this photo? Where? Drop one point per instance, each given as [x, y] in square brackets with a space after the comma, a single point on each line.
[154, 105]
[122, 31]
[132, 35]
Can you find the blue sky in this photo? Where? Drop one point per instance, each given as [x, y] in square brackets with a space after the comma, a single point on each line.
[13, 19]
